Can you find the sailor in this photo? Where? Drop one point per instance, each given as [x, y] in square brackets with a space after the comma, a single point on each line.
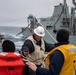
[11, 62]
[34, 47]
[58, 61]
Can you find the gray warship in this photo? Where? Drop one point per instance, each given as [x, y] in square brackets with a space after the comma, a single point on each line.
[61, 19]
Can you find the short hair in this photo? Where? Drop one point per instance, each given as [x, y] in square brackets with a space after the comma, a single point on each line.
[8, 46]
[62, 35]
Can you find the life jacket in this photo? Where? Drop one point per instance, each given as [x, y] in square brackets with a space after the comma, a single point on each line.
[11, 64]
[74, 61]
[69, 52]
[38, 54]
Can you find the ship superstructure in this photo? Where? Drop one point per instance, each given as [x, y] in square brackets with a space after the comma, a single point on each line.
[61, 19]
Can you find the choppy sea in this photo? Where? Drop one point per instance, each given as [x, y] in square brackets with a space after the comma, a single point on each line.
[11, 34]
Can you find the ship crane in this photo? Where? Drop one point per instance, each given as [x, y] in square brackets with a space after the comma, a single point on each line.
[32, 23]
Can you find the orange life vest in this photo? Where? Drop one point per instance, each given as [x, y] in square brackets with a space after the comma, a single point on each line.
[11, 64]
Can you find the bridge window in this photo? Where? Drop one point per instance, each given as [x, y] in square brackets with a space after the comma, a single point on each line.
[49, 27]
[66, 22]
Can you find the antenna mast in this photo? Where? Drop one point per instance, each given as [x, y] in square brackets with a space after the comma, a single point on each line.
[73, 19]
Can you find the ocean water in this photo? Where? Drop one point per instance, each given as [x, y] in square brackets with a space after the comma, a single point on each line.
[10, 30]
[11, 34]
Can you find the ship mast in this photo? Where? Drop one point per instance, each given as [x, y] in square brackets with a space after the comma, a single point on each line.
[64, 2]
[73, 19]
[65, 8]
[65, 13]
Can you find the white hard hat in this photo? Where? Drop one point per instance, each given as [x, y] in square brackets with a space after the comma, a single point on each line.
[39, 31]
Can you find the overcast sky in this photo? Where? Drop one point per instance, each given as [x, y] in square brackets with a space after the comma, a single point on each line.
[15, 12]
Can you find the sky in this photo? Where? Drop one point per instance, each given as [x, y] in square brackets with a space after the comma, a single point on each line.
[15, 12]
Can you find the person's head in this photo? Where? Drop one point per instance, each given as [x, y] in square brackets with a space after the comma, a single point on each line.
[39, 32]
[8, 46]
[62, 35]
